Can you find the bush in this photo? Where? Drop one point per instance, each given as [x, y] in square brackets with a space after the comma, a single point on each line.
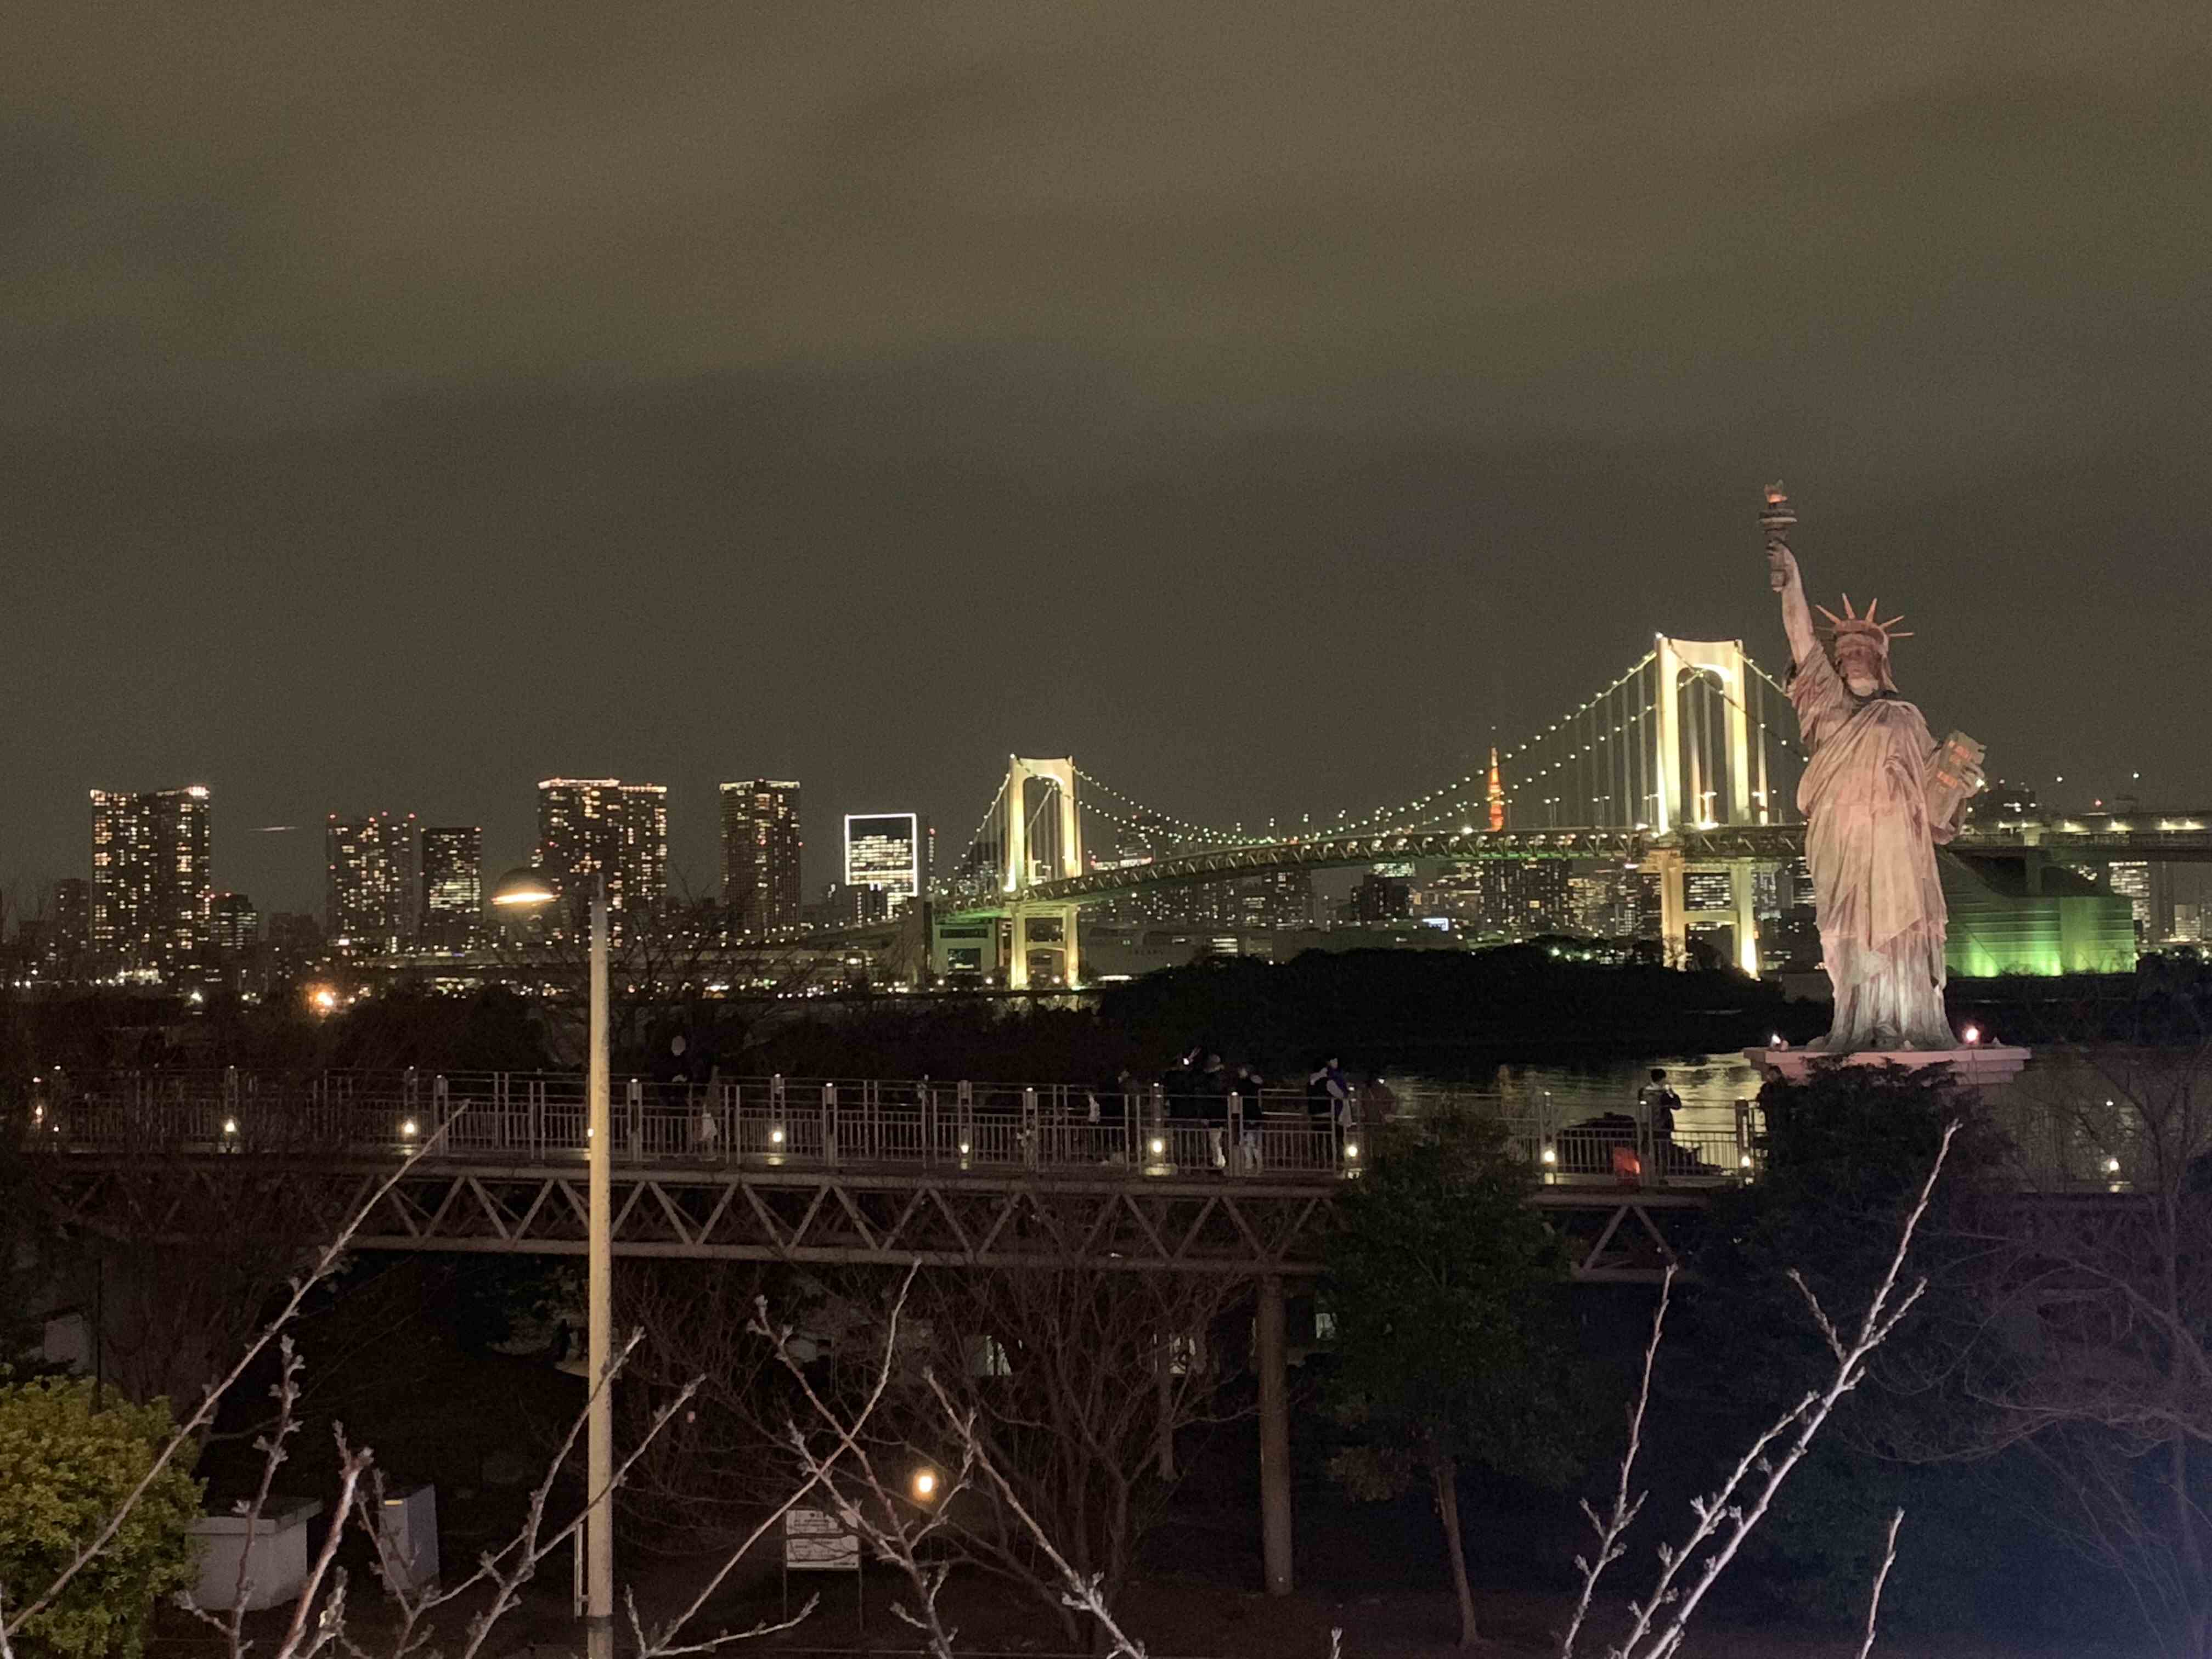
[64, 1469]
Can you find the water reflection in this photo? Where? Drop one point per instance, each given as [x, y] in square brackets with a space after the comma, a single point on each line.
[1712, 1088]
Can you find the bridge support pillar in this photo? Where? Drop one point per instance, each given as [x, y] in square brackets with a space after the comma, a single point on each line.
[1020, 919]
[1274, 1439]
[1743, 889]
[1672, 871]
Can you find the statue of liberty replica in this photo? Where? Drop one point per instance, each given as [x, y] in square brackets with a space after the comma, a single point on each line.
[1878, 796]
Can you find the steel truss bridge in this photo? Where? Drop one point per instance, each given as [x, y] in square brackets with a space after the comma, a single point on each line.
[959, 1175]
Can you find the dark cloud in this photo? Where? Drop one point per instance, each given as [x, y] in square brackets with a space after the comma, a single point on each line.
[403, 403]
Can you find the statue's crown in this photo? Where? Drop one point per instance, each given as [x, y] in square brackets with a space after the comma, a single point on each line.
[1851, 625]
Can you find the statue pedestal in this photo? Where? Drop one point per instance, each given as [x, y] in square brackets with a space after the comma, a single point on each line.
[1981, 1066]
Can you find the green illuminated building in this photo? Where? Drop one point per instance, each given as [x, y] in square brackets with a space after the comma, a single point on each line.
[2027, 916]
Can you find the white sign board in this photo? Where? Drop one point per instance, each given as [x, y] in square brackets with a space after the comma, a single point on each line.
[815, 1541]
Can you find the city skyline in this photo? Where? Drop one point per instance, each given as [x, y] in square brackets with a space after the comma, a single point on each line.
[1320, 415]
[298, 884]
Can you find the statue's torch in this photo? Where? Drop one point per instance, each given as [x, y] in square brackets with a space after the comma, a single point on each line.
[1776, 520]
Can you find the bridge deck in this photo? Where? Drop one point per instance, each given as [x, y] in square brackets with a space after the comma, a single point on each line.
[948, 1175]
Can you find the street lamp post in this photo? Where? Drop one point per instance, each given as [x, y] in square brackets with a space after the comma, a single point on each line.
[529, 889]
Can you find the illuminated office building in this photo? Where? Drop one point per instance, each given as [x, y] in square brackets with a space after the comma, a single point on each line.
[2131, 880]
[68, 933]
[760, 850]
[150, 891]
[234, 925]
[452, 886]
[883, 861]
[372, 895]
[589, 827]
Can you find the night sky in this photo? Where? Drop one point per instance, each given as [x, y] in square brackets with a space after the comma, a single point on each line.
[1264, 403]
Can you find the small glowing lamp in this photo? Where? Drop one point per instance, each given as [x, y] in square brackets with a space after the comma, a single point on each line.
[1551, 1154]
[1973, 1036]
[230, 1126]
[1158, 1146]
[1352, 1149]
[925, 1485]
[776, 1137]
[2111, 1166]
[407, 1129]
[524, 889]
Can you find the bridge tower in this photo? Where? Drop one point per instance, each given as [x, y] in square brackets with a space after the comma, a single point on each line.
[1691, 788]
[1046, 926]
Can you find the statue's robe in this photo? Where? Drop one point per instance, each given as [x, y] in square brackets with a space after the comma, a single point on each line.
[1870, 846]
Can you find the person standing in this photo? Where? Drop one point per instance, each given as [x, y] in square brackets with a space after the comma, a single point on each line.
[1251, 1088]
[1658, 1103]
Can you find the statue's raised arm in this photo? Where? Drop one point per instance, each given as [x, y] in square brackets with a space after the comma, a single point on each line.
[1783, 577]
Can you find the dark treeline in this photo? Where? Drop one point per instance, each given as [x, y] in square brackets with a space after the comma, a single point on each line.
[1373, 1008]
[1447, 1013]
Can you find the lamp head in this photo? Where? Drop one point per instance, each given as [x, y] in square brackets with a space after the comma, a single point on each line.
[525, 889]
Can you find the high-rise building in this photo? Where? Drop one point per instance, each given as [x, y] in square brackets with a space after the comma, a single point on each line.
[2132, 879]
[68, 930]
[884, 858]
[295, 941]
[1279, 898]
[1708, 890]
[234, 925]
[372, 896]
[1517, 899]
[452, 886]
[761, 849]
[150, 891]
[589, 827]
[1379, 899]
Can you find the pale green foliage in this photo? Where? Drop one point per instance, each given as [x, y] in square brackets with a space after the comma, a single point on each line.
[64, 1469]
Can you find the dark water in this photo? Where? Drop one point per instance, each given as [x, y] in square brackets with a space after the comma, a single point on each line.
[1711, 1087]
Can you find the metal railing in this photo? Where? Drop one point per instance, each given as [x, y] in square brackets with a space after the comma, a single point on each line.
[1065, 1129]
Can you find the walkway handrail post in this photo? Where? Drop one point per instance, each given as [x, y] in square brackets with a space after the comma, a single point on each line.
[929, 1123]
[1029, 1126]
[964, 1121]
[829, 1124]
[634, 1100]
[1234, 1151]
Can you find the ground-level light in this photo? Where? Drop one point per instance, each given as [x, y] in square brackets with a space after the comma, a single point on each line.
[1352, 1149]
[1158, 1146]
[1551, 1154]
[407, 1128]
[925, 1485]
